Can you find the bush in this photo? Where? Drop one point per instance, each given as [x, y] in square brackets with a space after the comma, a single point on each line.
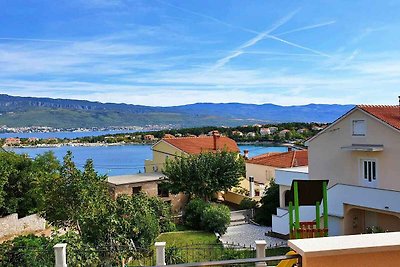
[247, 203]
[193, 213]
[172, 256]
[201, 215]
[269, 203]
[216, 218]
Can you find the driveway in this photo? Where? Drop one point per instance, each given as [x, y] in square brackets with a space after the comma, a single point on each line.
[246, 234]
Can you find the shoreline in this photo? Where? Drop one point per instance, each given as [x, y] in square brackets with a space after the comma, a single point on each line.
[254, 143]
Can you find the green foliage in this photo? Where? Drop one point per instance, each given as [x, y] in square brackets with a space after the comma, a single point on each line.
[247, 203]
[183, 238]
[216, 218]
[234, 254]
[193, 213]
[19, 180]
[38, 251]
[202, 215]
[269, 203]
[163, 212]
[73, 198]
[205, 174]
[173, 255]
[79, 200]
[27, 251]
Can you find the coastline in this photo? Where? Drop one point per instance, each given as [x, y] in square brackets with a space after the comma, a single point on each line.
[252, 143]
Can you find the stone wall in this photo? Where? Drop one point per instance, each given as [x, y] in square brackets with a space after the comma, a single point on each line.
[11, 225]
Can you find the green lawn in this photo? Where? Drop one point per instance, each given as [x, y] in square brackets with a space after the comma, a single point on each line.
[183, 238]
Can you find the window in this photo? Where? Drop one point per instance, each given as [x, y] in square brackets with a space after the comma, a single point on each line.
[162, 191]
[136, 190]
[368, 170]
[359, 128]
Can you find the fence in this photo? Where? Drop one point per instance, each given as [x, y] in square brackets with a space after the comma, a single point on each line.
[168, 255]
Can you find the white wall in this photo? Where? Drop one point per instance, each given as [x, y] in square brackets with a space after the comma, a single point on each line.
[328, 161]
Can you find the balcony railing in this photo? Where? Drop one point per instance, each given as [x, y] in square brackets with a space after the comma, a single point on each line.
[257, 261]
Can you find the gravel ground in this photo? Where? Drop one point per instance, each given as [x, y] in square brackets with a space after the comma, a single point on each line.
[246, 234]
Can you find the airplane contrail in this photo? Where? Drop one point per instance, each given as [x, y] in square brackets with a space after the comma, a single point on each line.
[253, 41]
[208, 17]
[298, 46]
[309, 27]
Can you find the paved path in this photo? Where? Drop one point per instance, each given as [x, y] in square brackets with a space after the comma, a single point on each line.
[246, 234]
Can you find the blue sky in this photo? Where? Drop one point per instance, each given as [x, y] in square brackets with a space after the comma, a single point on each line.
[168, 52]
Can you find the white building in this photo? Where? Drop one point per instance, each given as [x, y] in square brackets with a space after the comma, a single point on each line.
[359, 154]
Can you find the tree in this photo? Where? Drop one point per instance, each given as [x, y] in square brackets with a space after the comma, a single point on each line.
[205, 174]
[20, 177]
[73, 198]
[269, 203]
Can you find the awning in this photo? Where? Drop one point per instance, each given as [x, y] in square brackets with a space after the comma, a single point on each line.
[363, 147]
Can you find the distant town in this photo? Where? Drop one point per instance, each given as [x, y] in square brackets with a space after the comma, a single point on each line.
[293, 133]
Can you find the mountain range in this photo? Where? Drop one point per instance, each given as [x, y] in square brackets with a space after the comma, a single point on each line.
[18, 111]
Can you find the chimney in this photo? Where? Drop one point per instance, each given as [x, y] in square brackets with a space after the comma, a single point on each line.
[215, 137]
[246, 154]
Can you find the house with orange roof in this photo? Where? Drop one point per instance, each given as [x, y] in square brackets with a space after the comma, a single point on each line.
[263, 167]
[359, 154]
[12, 141]
[172, 147]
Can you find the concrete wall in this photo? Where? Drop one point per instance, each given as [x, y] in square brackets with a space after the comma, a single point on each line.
[370, 250]
[11, 225]
[233, 197]
[151, 188]
[328, 161]
[262, 174]
[358, 219]
[384, 258]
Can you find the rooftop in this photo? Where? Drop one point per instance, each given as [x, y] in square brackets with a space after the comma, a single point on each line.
[385, 113]
[135, 178]
[289, 159]
[337, 245]
[197, 145]
[301, 169]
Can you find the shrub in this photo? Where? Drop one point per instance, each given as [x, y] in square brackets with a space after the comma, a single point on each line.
[234, 254]
[193, 213]
[247, 203]
[269, 203]
[172, 256]
[216, 218]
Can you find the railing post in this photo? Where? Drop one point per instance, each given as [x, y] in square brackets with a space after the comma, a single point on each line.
[260, 252]
[160, 253]
[60, 252]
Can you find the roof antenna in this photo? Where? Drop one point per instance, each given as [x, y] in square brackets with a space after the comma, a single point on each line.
[399, 105]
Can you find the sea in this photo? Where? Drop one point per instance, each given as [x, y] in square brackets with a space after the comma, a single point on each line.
[114, 160]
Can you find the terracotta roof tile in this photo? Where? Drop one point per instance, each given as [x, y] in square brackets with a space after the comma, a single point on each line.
[196, 145]
[388, 114]
[282, 160]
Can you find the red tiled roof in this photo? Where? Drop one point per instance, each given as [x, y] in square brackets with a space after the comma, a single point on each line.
[196, 145]
[282, 160]
[388, 114]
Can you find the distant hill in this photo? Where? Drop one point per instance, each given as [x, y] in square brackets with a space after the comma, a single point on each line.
[65, 113]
